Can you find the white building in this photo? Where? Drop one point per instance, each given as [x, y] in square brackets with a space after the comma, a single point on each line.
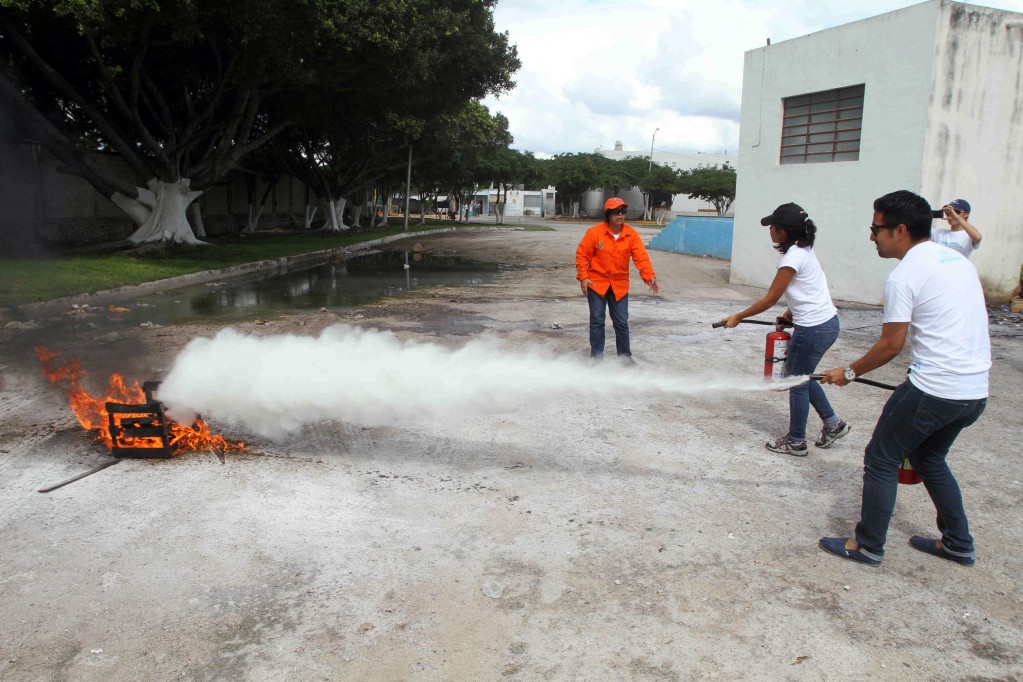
[518, 202]
[593, 201]
[928, 98]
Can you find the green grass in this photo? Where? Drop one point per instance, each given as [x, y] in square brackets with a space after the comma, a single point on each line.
[34, 279]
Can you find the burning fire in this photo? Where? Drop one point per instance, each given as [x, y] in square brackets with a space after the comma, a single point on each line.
[92, 413]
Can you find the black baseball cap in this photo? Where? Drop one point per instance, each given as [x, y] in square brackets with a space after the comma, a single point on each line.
[790, 215]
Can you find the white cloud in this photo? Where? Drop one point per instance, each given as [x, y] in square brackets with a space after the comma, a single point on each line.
[596, 71]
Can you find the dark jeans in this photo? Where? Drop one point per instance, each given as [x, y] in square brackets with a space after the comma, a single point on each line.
[806, 348]
[619, 320]
[921, 427]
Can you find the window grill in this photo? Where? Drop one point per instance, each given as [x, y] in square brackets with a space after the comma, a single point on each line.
[822, 126]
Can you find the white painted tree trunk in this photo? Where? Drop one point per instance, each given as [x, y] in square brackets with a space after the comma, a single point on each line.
[253, 218]
[198, 228]
[575, 209]
[139, 209]
[167, 221]
[499, 214]
[359, 206]
[310, 214]
[335, 222]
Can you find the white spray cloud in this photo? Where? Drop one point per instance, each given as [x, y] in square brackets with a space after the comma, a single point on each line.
[273, 385]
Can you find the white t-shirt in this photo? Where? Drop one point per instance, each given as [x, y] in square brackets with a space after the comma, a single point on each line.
[938, 292]
[958, 240]
[808, 296]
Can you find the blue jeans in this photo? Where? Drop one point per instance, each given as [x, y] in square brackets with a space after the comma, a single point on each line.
[921, 427]
[806, 348]
[619, 320]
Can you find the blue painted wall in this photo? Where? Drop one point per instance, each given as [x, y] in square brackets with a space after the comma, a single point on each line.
[696, 235]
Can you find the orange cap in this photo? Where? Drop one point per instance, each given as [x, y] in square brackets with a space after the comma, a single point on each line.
[613, 203]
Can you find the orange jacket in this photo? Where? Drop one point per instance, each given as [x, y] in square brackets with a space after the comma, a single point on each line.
[604, 260]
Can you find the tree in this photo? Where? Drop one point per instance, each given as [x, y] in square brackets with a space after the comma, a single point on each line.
[174, 89]
[507, 168]
[713, 184]
[454, 150]
[185, 90]
[574, 174]
[660, 185]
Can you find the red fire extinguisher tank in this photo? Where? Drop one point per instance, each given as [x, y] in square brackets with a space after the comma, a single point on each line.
[776, 352]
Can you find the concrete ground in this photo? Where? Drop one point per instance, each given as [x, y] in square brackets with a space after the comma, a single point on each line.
[648, 538]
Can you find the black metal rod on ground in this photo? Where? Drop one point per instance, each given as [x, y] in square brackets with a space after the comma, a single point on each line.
[860, 380]
[91, 471]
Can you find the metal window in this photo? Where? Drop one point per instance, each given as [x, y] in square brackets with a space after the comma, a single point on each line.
[822, 126]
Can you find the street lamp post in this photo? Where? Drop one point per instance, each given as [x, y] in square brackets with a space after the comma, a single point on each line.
[649, 167]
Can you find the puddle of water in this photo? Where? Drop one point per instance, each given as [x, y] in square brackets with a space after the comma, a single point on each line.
[358, 281]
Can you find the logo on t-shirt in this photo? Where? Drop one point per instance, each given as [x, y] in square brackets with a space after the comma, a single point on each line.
[600, 245]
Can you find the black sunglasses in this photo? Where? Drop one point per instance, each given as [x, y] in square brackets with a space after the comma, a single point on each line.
[875, 228]
[619, 211]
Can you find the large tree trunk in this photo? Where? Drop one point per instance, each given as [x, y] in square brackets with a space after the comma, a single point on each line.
[335, 213]
[252, 219]
[310, 214]
[195, 211]
[575, 209]
[167, 221]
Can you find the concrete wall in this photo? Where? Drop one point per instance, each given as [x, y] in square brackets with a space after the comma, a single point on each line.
[891, 54]
[699, 236]
[974, 140]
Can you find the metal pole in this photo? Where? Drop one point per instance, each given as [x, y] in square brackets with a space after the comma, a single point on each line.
[408, 185]
[649, 167]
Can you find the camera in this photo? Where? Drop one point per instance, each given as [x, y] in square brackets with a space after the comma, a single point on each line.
[937, 214]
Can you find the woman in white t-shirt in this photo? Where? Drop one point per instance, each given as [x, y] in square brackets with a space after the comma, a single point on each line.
[815, 325]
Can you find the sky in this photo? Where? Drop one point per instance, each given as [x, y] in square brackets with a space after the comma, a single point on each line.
[598, 71]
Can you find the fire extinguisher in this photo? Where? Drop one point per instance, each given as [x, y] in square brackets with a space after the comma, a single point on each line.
[777, 346]
[776, 350]
[907, 474]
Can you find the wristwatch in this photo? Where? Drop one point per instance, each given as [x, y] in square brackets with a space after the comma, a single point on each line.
[849, 373]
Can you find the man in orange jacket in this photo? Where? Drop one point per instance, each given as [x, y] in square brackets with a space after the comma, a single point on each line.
[602, 268]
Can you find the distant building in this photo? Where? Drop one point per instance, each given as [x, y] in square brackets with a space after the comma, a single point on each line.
[520, 202]
[593, 201]
[926, 98]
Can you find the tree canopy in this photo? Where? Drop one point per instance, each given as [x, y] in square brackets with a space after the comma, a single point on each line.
[713, 184]
[186, 90]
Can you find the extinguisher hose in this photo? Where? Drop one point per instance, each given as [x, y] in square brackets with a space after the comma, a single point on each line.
[860, 380]
[722, 324]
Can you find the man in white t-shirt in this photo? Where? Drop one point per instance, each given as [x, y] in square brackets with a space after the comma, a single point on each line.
[934, 297]
[960, 235]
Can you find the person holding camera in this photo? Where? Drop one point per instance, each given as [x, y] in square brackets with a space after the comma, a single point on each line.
[602, 268]
[960, 235]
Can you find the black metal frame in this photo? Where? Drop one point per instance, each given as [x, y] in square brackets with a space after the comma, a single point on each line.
[139, 421]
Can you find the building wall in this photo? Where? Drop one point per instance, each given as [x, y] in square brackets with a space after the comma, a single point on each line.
[942, 116]
[892, 55]
[974, 141]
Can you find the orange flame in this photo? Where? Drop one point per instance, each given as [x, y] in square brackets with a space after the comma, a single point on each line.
[92, 412]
